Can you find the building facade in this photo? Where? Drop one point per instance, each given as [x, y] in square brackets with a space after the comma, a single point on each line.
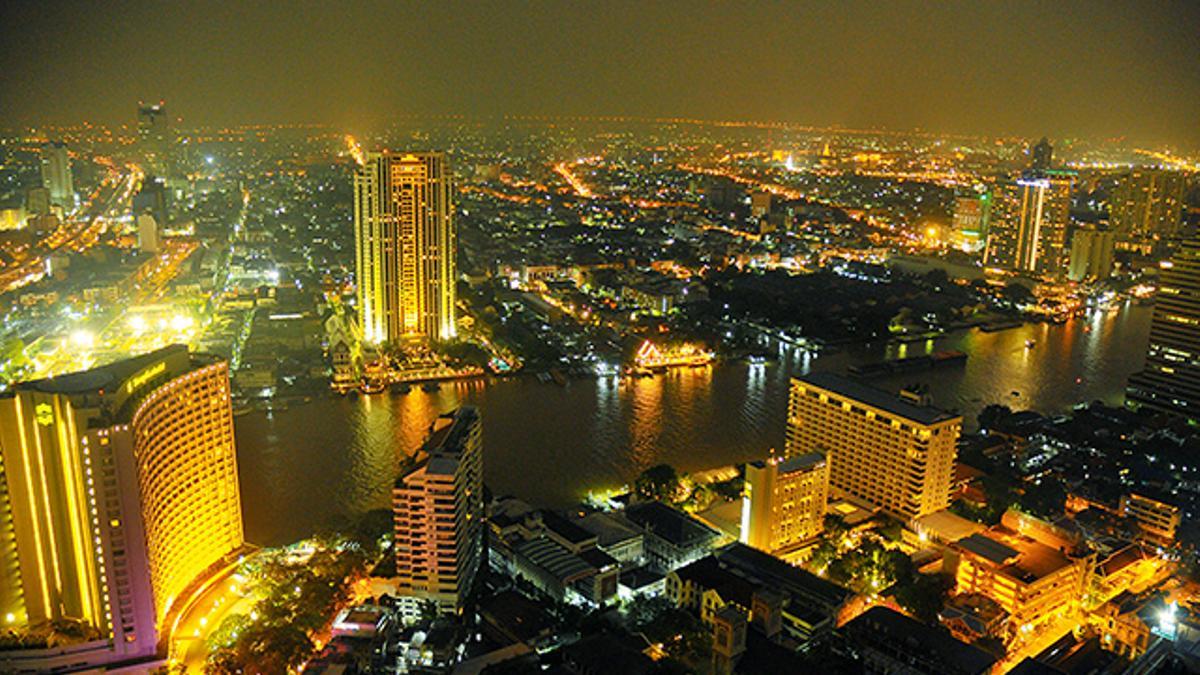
[896, 453]
[119, 488]
[1091, 254]
[56, 174]
[1028, 231]
[405, 247]
[1146, 208]
[784, 502]
[972, 215]
[156, 139]
[437, 507]
[1170, 379]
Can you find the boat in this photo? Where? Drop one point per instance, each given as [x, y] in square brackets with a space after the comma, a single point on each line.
[559, 378]
[996, 326]
[1029, 344]
[401, 388]
[910, 364]
[430, 386]
[372, 387]
[544, 378]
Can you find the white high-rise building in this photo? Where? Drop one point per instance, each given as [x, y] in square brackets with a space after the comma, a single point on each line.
[56, 174]
[437, 507]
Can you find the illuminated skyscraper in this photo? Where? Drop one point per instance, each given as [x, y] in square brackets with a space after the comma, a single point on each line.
[1146, 207]
[972, 214]
[118, 487]
[438, 512]
[56, 174]
[1028, 231]
[896, 452]
[784, 503]
[405, 247]
[1170, 380]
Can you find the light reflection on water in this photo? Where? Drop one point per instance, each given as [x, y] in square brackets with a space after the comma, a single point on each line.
[304, 467]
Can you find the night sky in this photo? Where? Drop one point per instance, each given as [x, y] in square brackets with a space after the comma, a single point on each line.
[1090, 69]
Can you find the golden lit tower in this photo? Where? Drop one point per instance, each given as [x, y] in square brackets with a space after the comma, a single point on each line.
[896, 452]
[437, 507]
[118, 488]
[1147, 207]
[1170, 380]
[405, 247]
[1029, 223]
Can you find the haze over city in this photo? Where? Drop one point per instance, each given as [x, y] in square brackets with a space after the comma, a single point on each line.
[1070, 69]
[639, 338]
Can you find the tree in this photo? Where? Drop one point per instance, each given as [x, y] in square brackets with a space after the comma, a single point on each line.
[923, 596]
[659, 482]
[1017, 293]
[992, 414]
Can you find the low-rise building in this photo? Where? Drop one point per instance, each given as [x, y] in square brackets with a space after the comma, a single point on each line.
[672, 537]
[889, 642]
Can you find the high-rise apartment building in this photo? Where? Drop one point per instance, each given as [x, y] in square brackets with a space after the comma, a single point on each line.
[1170, 380]
[1146, 207]
[438, 514]
[405, 247]
[895, 452]
[1029, 223]
[118, 488]
[1091, 254]
[56, 174]
[784, 503]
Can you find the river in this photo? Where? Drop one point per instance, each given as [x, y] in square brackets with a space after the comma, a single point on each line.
[310, 465]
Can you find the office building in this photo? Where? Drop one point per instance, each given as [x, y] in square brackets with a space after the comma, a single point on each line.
[760, 203]
[405, 247]
[118, 489]
[1042, 156]
[151, 198]
[156, 139]
[439, 518]
[1146, 207]
[1091, 254]
[1029, 224]
[784, 503]
[894, 452]
[56, 174]
[972, 214]
[37, 201]
[1157, 520]
[1170, 379]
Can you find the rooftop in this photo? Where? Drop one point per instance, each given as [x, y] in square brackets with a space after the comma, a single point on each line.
[877, 398]
[674, 526]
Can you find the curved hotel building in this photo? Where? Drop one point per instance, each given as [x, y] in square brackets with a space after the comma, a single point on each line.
[118, 490]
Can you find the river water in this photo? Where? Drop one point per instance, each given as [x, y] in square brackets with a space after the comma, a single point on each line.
[308, 466]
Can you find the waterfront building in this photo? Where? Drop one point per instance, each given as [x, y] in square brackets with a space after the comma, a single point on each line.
[784, 503]
[972, 214]
[1031, 216]
[118, 490]
[1146, 208]
[1091, 254]
[895, 452]
[56, 174]
[438, 515]
[405, 247]
[1170, 379]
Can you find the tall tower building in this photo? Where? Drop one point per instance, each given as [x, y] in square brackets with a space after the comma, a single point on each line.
[1043, 156]
[405, 247]
[972, 214]
[1030, 221]
[56, 174]
[1170, 380]
[438, 514]
[896, 452]
[784, 502]
[156, 139]
[1146, 207]
[118, 488]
